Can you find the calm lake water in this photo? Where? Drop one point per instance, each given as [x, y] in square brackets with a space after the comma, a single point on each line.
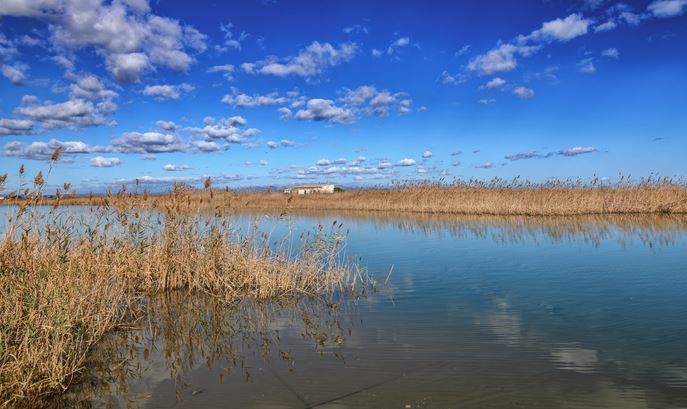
[468, 313]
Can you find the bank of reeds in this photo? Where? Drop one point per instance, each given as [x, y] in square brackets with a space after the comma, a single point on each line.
[473, 197]
[70, 275]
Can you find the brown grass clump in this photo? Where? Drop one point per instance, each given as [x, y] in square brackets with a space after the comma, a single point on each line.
[68, 276]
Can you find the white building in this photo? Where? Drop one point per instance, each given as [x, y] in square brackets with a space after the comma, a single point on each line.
[308, 189]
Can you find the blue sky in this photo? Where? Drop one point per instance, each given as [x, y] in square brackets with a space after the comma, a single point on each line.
[273, 93]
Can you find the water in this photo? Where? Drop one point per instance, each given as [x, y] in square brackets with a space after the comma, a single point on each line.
[468, 313]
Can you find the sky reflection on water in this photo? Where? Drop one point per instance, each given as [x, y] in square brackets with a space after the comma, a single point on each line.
[477, 312]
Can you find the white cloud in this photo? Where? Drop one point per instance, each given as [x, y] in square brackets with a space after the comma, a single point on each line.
[229, 39]
[396, 44]
[355, 29]
[148, 142]
[607, 26]
[14, 73]
[227, 70]
[376, 53]
[284, 114]
[427, 154]
[499, 59]
[406, 162]
[611, 53]
[667, 8]
[167, 91]
[166, 125]
[452, 79]
[523, 92]
[176, 168]
[15, 127]
[495, 83]
[486, 101]
[324, 110]
[251, 101]
[369, 100]
[565, 29]
[485, 165]
[102, 162]
[312, 61]
[131, 40]
[577, 150]
[404, 107]
[72, 114]
[44, 150]
[284, 143]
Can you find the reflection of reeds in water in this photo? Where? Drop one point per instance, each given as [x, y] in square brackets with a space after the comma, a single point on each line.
[66, 281]
[184, 331]
[651, 230]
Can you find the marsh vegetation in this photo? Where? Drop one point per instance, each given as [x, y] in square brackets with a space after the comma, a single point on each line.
[67, 279]
[500, 197]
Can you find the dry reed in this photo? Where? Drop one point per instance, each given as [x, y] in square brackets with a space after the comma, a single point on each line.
[68, 276]
[473, 197]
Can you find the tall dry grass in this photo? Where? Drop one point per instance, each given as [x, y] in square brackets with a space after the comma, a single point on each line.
[68, 276]
[496, 197]
[473, 197]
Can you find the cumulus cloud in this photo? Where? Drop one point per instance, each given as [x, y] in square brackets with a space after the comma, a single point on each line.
[149, 142]
[406, 162]
[102, 162]
[166, 125]
[311, 61]
[176, 168]
[284, 143]
[499, 59]
[284, 114]
[564, 29]
[486, 101]
[72, 114]
[14, 73]
[44, 150]
[125, 34]
[485, 165]
[167, 91]
[15, 126]
[404, 106]
[504, 56]
[495, 82]
[427, 154]
[611, 53]
[667, 8]
[224, 128]
[325, 110]
[252, 101]
[523, 92]
[367, 99]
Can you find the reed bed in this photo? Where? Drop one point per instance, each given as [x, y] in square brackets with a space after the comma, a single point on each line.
[69, 276]
[498, 197]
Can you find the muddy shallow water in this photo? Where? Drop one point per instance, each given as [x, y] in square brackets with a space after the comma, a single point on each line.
[468, 313]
